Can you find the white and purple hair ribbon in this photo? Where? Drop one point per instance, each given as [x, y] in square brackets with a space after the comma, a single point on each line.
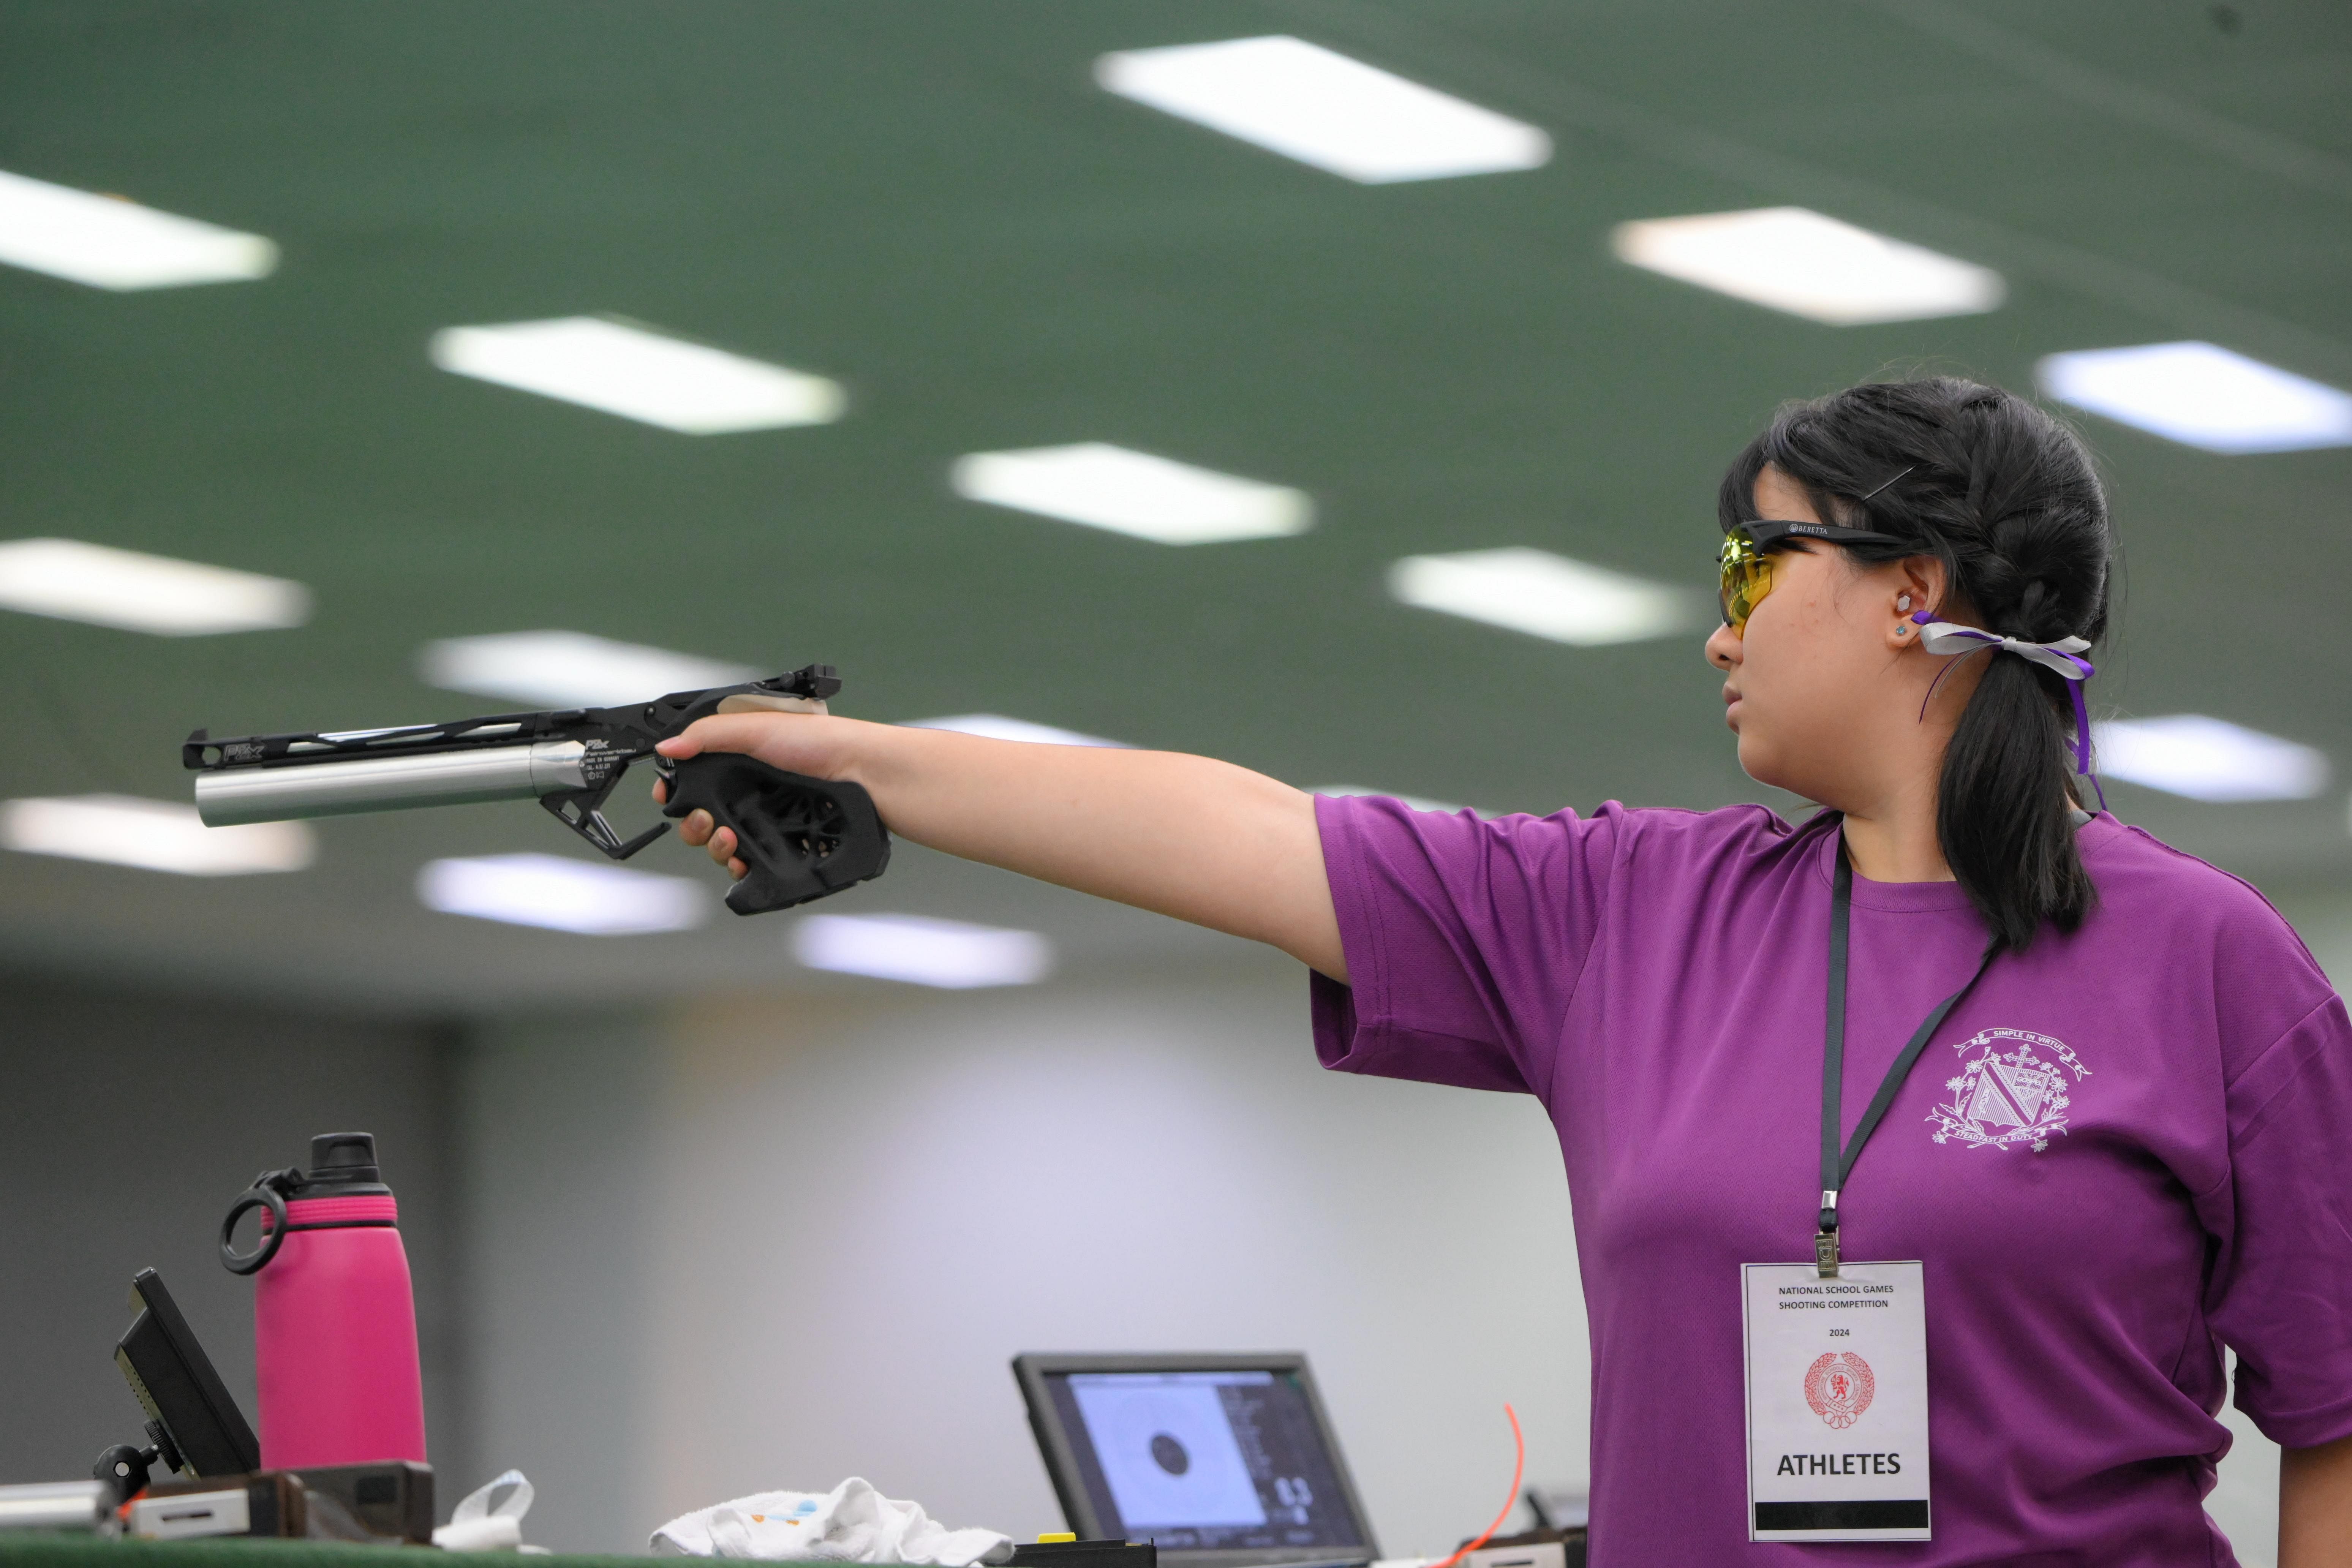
[2065, 658]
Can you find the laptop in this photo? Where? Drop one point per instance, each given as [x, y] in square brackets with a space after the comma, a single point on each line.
[1221, 1461]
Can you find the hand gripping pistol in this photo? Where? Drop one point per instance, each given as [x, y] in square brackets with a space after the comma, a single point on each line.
[803, 839]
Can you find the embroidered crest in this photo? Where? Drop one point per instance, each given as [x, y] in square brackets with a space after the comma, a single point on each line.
[2009, 1092]
[1839, 1386]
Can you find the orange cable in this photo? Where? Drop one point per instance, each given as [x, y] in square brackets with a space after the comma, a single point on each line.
[1519, 1472]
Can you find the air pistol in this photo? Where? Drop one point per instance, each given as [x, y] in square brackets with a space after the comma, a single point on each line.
[802, 837]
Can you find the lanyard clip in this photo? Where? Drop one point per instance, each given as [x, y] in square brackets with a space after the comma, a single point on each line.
[1825, 1243]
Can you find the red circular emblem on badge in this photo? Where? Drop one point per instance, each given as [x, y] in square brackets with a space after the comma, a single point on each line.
[1839, 1387]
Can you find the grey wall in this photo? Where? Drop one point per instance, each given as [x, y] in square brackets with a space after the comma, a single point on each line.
[556, 1131]
[128, 1124]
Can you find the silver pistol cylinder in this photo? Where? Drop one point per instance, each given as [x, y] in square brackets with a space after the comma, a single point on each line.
[229, 796]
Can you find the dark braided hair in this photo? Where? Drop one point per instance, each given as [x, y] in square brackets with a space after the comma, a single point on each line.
[2005, 496]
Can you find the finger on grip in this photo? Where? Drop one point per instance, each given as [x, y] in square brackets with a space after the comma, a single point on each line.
[803, 839]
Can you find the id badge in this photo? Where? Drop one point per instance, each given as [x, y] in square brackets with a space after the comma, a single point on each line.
[1837, 1402]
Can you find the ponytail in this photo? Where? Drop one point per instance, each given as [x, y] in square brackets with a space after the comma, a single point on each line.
[2002, 809]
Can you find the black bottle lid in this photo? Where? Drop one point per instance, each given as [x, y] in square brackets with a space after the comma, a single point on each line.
[342, 1164]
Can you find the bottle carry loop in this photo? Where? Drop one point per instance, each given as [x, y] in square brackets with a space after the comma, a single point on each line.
[269, 1190]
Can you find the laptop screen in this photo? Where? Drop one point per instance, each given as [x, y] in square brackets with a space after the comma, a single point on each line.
[1204, 1458]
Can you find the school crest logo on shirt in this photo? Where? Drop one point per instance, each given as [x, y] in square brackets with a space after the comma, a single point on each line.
[2013, 1090]
[1840, 1387]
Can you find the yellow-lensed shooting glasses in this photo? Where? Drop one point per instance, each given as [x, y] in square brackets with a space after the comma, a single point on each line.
[1747, 559]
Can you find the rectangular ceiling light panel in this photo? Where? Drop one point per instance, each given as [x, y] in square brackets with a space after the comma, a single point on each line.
[1545, 595]
[1792, 259]
[2201, 395]
[640, 373]
[1324, 108]
[153, 835]
[1108, 487]
[920, 951]
[2208, 759]
[122, 588]
[110, 243]
[997, 727]
[563, 895]
[570, 669]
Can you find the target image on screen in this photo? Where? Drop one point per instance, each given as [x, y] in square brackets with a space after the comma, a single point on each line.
[1166, 1452]
[1205, 1460]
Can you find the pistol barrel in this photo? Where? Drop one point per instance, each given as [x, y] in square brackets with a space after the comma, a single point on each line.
[228, 796]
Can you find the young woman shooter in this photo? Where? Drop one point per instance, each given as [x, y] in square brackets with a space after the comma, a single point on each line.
[2124, 1145]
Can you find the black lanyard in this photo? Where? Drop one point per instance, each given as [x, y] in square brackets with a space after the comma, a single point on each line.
[1837, 1165]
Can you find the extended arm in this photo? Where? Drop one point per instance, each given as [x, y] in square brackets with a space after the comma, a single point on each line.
[2315, 1506]
[1202, 840]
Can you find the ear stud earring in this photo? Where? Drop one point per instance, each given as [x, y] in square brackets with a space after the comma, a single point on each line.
[1902, 601]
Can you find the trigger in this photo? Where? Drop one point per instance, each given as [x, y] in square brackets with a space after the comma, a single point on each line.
[590, 824]
[639, 842]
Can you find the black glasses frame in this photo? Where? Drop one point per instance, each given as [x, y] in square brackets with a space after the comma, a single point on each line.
[1765, 533]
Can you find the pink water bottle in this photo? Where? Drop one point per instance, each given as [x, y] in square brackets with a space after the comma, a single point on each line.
[334, 1322]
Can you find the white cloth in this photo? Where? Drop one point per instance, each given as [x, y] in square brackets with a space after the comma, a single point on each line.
[474, 1526]
[851, 1523]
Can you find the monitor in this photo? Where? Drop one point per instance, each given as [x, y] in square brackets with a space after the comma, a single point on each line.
[200, 1429]
[1216, 1460]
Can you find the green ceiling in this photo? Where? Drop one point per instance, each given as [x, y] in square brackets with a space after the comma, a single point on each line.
[934, 205]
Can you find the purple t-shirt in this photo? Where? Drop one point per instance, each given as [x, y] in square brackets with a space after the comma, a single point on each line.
[2129, 1147]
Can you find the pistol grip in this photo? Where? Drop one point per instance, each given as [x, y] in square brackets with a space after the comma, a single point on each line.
[803, 839]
